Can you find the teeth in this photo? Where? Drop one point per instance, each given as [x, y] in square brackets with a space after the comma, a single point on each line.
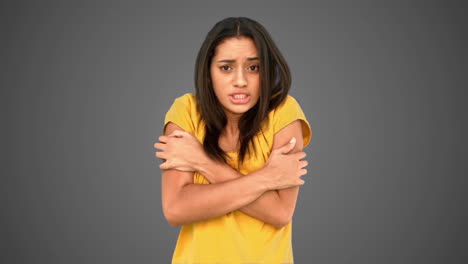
[239, 96]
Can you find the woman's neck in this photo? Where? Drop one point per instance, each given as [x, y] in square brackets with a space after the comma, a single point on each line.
[231, 130]
[232, 126]
[229, 138]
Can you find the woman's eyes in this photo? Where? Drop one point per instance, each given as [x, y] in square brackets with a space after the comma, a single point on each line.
[251, 68]
[256, 67]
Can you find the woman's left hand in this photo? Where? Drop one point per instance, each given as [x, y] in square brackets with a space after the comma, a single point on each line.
[180, 151]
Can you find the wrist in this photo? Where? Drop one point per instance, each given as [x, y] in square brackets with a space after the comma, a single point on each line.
[263, 180]
[204, 166]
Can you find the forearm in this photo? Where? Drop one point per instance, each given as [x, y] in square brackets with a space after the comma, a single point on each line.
[267, 207]
[196, 202]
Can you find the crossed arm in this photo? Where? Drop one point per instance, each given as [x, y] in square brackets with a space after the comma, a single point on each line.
[268, 194]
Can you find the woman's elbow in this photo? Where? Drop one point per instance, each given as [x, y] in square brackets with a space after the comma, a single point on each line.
[171, 220]
[171, 215]
[283, 218]
[280, 224]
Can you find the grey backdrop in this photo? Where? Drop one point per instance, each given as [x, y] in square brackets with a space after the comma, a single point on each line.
[85, 87]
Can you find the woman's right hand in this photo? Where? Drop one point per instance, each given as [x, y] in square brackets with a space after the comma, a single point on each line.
[285, 169]
[180, 150]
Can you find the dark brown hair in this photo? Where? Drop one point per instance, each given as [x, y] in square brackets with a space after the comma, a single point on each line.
[275, 82]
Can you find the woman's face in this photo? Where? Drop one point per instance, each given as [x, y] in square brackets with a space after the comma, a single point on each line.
[235, 75]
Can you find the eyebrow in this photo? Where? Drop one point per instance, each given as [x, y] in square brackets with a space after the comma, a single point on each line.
[231, 61]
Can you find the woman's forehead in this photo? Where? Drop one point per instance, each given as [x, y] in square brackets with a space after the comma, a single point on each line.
[236, 47]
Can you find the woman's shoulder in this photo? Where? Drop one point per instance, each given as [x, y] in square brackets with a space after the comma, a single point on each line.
[187, 99]
[287, 112]
[184, 113]
[288, 106]
[185, 104]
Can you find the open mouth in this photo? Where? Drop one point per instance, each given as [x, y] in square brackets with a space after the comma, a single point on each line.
[239, 98]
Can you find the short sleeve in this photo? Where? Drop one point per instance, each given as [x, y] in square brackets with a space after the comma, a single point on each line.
[180, 113]
[287, 113]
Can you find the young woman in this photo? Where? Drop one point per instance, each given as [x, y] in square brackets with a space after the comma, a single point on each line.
[233, 152]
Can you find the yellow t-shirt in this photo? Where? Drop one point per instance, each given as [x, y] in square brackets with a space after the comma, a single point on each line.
[236, 237]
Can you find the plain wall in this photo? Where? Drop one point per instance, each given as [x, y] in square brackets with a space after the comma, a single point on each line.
[85, 86]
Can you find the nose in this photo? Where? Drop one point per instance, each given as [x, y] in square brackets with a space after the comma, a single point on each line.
[239, 79]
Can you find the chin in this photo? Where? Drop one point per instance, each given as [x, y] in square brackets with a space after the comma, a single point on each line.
[239, 110]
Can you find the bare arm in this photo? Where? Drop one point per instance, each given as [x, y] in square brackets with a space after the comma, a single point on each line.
[274, 207]
[185, 202]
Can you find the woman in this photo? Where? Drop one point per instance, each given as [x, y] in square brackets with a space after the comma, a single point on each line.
[233, 152]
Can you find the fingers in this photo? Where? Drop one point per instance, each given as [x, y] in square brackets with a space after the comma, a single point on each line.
[163, 166]
[165, 139]
[160, 146]
[297, 182]
[302, 172]
[166, 166]
[299, 155]
[160, 155]
[177, 133]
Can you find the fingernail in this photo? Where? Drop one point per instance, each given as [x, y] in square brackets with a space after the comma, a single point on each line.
[292, 140]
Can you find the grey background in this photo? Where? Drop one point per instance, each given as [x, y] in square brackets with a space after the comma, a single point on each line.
[85, 86]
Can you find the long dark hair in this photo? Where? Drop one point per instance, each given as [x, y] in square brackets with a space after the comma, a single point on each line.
[275, 82]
